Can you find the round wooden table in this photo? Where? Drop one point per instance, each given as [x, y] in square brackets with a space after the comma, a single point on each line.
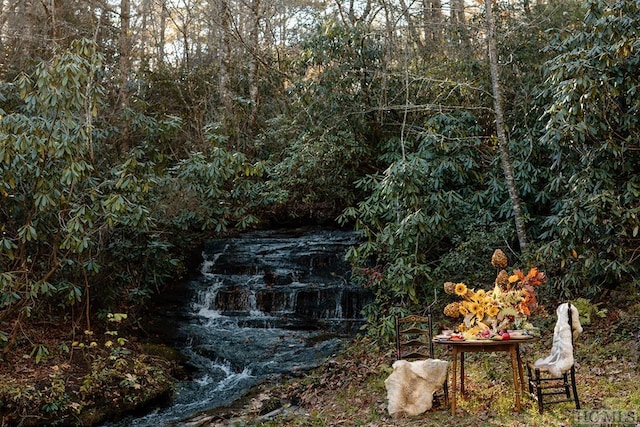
[511, 346]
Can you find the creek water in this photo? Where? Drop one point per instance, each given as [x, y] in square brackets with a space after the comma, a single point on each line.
[265, 304]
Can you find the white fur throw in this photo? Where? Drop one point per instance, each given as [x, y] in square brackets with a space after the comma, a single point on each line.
[411, 385]
[561, 358]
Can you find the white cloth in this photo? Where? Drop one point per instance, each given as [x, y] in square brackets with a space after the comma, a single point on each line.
[561, 358]
[411, 385]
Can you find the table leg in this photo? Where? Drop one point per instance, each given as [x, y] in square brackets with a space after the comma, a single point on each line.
[514, 368]
[520, 370]
[454, 380]
[462, 392]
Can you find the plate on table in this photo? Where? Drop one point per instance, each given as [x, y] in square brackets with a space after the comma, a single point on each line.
[442, 337]
[520, 337]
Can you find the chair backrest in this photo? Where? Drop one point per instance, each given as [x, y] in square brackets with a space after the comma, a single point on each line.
[570, 314]
[414, 337]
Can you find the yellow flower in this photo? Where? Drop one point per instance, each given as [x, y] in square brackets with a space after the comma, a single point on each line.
[461, 289]
[480, 295]
[464, 310]
[493, 311]
[513, 278]
[480, 313]
[473, 307]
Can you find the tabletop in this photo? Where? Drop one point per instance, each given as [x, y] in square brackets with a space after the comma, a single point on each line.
[463, 342]
[484, 342]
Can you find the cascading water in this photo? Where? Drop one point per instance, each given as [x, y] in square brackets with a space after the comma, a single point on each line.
[265, 304]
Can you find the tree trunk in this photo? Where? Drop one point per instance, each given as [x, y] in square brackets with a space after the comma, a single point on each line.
[413, 29]
[503, 145]
[125, 64]
[433, 22]
[459, 26]
[162, 36]
[253, 63]
[3, 20]
[225, 57]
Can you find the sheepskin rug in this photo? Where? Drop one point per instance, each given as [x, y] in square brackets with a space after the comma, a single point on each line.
[411, 385]
[561, 358]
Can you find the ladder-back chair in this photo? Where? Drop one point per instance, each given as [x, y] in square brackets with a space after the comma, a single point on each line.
[414, 341]
[549, 388]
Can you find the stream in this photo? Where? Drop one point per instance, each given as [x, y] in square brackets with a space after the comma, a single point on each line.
[265, 304]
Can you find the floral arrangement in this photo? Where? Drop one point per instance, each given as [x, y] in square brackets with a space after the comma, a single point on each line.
[507, 306]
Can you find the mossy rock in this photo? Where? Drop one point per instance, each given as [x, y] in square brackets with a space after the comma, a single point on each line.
[163, 351]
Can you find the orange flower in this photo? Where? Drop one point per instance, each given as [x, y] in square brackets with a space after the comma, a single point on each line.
[535, 277]
[524, 309]
[519, 273]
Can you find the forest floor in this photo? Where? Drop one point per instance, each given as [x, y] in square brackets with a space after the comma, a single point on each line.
[349, 390]
[50, 379]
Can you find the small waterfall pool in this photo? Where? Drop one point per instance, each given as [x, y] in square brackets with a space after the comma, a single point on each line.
[264, 304]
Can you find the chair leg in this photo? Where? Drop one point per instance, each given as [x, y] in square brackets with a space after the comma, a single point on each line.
[575, 388]
[529, 379]
[539, 391]
[445, 390]
[567, 392]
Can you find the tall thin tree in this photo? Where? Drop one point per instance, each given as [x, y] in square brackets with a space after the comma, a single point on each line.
[503, 144]
[125, 64]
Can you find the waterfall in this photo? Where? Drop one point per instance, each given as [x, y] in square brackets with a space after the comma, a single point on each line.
[264, 304]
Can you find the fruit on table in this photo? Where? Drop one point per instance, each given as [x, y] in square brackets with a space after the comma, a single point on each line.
[486, 333]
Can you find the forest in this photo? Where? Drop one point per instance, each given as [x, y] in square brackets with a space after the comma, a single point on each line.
[131, 131]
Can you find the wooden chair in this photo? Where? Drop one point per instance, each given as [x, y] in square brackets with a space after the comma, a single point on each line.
[414, 341]
[559, 389]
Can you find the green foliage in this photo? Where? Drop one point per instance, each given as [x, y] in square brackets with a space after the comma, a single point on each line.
[319, 144]
[587, 309]
[592, 132]
[61, 207]
[81, 383]
[39, 352]
[214, 191]
[82, 223]
[425, 204]
[51, 199]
